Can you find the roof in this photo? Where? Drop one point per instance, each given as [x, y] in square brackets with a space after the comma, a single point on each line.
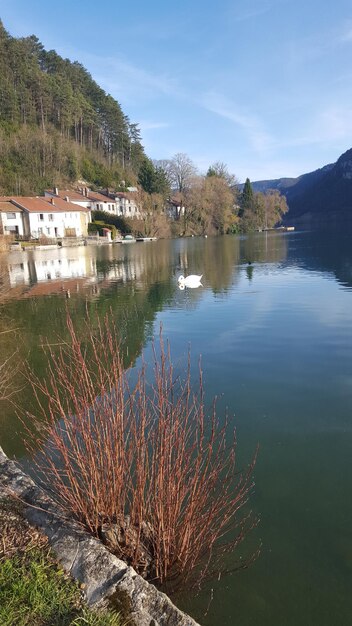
[7, 206]
[39, 204]
[86, 195]
[73, 196]
[78, 195]
[95, 195]
[121, 194]
[175, 202]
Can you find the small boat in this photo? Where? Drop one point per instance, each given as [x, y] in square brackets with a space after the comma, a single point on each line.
[128, 239]
[192, 281]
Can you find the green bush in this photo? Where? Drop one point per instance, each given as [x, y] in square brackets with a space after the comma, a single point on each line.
[120, 223]
[97, 227]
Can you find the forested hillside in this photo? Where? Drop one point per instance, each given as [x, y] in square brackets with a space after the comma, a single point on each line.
[323, 196]
[57, 125]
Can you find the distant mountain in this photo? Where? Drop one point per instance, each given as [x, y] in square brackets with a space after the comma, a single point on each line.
[322, 196]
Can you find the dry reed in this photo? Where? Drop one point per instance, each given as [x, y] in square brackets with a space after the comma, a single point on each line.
[141, 466]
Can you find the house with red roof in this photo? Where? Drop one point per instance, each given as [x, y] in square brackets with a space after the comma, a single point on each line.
[36, 217]
[11, 218]
[123, 204]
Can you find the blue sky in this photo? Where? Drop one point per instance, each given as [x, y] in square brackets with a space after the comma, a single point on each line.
[262, 85]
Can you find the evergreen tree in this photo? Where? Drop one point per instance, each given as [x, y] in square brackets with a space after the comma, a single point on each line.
[247, 199]
[50, 109]
[153, 179]
[146, 176]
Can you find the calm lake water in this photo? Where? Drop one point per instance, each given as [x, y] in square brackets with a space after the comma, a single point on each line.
[273, 323]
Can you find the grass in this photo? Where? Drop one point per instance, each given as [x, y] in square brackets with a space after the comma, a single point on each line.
[34, 591]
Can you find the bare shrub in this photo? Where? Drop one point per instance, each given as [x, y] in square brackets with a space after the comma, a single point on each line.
[141, 466]
[9, 358]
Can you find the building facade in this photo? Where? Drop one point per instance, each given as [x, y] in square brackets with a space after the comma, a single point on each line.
[37, 217]
[122, 204]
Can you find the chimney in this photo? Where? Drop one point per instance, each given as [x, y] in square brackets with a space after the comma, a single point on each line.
[56, 191]
[67, 198]
[52, 201]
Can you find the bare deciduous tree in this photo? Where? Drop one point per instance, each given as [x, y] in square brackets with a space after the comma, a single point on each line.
[182, 170]
[220, 170]
[142, 466]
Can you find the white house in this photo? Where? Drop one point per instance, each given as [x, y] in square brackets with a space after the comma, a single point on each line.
[49, 217]
[174, 208]
[11, 218]
[127, 205]
[120, 203]
[83, 197]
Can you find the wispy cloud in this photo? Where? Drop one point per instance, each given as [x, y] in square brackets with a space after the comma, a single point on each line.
[330, 125]
[251, 13]
[149, 125]
[123, 79]
[344, 33]
[259, 138]
[122, 76]
[320, 44]
[251, 9]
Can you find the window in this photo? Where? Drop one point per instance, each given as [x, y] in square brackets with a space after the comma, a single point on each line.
[40, 231]
[11, 216]
[51, 217]
[47, 230]
[41, 217]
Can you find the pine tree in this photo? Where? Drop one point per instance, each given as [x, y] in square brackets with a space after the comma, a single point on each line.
[247, 199]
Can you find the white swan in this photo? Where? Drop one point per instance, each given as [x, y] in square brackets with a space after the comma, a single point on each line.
[192, 281]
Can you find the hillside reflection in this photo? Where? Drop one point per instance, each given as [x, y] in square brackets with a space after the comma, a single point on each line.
[90, 270]
[130, 282]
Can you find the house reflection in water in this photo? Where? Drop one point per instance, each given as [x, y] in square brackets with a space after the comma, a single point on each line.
[40, 272]
[43, 267]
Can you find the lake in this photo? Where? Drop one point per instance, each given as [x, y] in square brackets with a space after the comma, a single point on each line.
[273, 325]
